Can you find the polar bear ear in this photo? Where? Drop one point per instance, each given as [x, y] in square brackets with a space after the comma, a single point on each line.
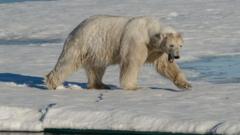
[159, 36]
[157, 39]
[163, 36]
[180, 34]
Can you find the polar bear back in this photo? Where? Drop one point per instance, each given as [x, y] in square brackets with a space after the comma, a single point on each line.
[99, 38]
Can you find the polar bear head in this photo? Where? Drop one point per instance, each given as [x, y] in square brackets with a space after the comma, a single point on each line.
[169, 43]
[172, 45]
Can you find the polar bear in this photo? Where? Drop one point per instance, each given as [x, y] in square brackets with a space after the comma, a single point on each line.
[103, 40]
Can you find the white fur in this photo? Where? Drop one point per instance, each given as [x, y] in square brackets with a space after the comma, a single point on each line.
[100, 41]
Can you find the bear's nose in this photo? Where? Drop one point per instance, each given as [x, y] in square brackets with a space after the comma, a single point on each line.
[176, 57]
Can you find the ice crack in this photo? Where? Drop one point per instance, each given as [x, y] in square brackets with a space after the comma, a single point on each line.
[45, 110]
[213, 130]
[100, 97]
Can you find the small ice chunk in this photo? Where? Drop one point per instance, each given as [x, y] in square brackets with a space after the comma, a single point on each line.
[173, 14]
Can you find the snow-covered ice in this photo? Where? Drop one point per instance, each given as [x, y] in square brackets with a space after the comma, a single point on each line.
[31, 38]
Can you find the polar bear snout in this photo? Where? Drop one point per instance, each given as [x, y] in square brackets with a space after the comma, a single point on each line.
[173, 54]
[176, 55]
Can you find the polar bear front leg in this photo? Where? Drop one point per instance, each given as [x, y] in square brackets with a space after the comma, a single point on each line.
[172, 72]
[129, 75]
[181, 81]
[130, 66]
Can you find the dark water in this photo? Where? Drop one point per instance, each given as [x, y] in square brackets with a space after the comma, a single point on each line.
[89, 132]
[14, 1]
[29, 41]
[221, 69]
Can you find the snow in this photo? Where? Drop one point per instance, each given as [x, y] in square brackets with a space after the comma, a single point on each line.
[31, 38]
[156, 111]
[15, 119]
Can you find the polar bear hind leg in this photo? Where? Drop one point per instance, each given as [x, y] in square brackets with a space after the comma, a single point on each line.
[95, 75]
[68, 62]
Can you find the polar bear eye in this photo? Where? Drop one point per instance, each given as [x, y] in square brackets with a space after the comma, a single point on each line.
[157, 35]
[171, 46]
[180, 45]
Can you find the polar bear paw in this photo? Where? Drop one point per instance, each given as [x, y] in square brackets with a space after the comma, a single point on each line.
[182, 83]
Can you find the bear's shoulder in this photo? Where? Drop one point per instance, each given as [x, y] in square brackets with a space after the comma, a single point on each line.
[151, 24]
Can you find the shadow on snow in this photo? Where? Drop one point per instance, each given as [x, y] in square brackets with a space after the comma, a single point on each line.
[31, 81]
[38, 82]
